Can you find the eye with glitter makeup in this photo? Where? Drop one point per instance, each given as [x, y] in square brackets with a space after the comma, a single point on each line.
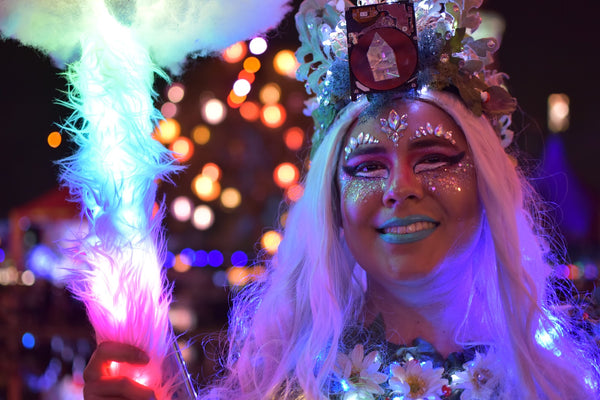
[434, 161]
[367, 169]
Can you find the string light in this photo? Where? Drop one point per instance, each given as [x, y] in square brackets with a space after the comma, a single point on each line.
[273, 116]
[258, 46]
[54, 139]
[234, 53]
[285, 174]
[285, 63]
[214, 111]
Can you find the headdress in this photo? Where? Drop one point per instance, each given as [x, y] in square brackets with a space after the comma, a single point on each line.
[345, 54]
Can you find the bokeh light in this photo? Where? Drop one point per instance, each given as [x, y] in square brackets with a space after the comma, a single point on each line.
[250, 77]
[270, 241]
[273, 116]
[215, 258]
[28, 278]
[54, 139]
[285, 63]
[293, 138]
[201, 134]
[285, 175]
[231, 198]
[203, 218]
[167, 130]
[181, 208]
[200, 258]
[270, 93]
[176, 92]
[168, 110]
[241, 87]
[234, 53]
[205, 188]
[252, 64]
[182, 148]
[212, 170]
[250, 111]
[258, 46]
[28, 340]
[239, 259]
[182, 318]
[294, 192]
[234, 101]
[214, 111]
[2, 255]
[181, 264]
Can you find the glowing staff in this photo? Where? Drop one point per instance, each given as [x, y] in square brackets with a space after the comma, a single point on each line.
[114, 170]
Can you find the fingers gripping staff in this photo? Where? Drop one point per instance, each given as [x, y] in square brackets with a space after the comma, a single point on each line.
[112, 50]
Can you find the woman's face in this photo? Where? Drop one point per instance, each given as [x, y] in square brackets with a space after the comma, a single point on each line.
[408, 191]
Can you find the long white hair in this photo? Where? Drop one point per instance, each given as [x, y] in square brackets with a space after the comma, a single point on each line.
[285, 332]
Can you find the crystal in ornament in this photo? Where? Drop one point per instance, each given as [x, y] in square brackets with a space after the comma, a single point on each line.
[353, 143]
[394, 125]
[382, 60]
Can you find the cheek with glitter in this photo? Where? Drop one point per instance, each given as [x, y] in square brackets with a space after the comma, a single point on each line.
[450, 179]
[358, 191]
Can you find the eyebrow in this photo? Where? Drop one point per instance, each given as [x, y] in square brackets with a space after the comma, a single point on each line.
[431, 142]
[367, 150]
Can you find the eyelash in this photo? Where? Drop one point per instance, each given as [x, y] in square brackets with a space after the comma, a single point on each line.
[431, 162]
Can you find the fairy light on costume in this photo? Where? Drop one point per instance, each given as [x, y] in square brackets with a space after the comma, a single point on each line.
[112, 51]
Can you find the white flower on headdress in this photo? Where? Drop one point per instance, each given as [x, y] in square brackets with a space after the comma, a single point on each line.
[359, 374]
[417, 381]
[480, 378]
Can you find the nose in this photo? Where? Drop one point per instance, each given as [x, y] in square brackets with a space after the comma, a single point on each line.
[402, 185]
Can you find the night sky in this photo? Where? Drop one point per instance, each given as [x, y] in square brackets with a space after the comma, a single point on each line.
[548, 47]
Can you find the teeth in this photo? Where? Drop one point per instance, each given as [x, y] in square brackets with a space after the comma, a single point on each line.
[412, 228]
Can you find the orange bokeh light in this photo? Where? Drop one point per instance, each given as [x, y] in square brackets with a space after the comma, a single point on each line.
[54, 139]
[285, 175]
[293, 138]
[236, 52]
[249, 76]
[250, 111]
[273, 116]
[182, 148]
[252, 64]
[294, 192]
[167, 130]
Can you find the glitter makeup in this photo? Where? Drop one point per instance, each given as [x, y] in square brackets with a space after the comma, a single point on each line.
[354, 143]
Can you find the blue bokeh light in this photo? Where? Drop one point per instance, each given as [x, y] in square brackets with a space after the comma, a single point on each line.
[2, 255]
[215, 258]
[200, 259]
[28, 340]
[187, 256]
[239, 259]
[170, 260]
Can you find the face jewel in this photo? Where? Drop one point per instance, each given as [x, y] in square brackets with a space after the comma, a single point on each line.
[394, 125]
[429, 130]
[353, 143]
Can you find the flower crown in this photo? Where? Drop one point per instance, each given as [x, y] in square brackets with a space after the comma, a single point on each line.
[446, 56]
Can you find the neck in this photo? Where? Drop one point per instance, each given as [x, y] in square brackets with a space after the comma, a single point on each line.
[431, 308]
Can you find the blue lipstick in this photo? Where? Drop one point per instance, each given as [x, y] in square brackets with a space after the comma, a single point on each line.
[407, 237]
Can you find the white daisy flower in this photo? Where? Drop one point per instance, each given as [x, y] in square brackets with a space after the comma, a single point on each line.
[359, 374]
[417, 381]
[479, 379]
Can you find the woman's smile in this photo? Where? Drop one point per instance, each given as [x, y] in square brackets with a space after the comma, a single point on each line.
[408, 229]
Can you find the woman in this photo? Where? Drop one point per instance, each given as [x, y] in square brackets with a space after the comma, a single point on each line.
[413, 267]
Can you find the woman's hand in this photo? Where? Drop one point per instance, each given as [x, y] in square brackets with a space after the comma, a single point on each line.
[99, 385]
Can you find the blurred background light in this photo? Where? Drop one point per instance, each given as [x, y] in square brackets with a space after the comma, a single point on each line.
[270, 241]
[239, 259]
[285, 63]
[249, 76]
[294, 138]
[28, 340]
[273, 116]
[258, 46]
[270, 93]
[54, 139]
[181, 208]
[558, 112]
[231, 198]
[215, 258]
[168, 110]
[241, 87]
[285, 174]
[212, 170]
[235, 53]
[250, 111]
[252, 65]
[203, 217]
[175, 92]
[201, 134]
[167, 130]
[182, 148]
[213, 111]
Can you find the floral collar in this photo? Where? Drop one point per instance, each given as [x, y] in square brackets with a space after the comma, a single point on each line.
[416, 372]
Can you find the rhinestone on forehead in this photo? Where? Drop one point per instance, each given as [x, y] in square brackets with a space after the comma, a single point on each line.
[353, 143]
[393, 125]
[429, 130]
